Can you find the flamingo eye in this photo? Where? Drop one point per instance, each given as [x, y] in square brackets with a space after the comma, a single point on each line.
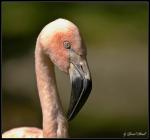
[67, 44]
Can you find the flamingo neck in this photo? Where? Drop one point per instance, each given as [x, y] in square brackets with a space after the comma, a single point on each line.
[54, 122]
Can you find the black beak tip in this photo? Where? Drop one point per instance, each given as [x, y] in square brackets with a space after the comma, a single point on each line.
[78, 101]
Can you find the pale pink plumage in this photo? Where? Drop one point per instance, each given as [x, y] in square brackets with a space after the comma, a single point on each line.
[49, 43]
[23, 132]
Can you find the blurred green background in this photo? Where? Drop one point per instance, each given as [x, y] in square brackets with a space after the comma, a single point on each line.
[116, 35]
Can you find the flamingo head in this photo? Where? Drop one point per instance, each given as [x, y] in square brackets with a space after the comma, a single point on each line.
[62, 42]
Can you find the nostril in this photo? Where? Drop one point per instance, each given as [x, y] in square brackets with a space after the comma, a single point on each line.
[81, 68]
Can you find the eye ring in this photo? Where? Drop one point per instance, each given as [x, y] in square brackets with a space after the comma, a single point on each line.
[67, 44]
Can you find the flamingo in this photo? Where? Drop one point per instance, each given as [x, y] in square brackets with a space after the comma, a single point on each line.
[59, 43]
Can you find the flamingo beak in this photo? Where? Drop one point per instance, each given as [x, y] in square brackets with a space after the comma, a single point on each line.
[81, 84]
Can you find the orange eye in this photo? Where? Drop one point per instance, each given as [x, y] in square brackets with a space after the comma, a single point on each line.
[67, 44]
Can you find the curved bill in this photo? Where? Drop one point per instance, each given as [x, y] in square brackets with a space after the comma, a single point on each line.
[81, 87]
